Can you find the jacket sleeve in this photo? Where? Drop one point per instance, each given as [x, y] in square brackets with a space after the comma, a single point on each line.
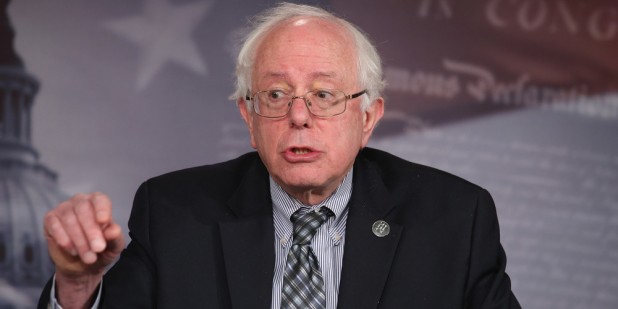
[44, 299]
[130, 282]
[488, 285]
[48, 299]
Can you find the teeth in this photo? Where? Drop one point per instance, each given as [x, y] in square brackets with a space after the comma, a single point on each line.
[300, 151]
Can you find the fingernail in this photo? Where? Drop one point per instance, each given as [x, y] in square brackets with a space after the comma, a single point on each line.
[100, 215]
[97, 245]
[73, 252]
[89, 257]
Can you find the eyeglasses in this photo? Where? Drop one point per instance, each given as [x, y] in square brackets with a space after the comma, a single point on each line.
[277, 103]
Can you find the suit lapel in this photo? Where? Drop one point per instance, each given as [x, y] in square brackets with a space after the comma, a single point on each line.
[367, 258]
[248, 242]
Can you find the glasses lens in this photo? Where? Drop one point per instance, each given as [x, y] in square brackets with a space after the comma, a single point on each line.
[321, 102]
[272, 103]
[325, 102]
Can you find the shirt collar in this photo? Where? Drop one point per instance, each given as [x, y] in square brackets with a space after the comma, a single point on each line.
[286, 205]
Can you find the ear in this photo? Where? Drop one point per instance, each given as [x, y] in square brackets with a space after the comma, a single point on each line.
[247, 116]
[371, 117]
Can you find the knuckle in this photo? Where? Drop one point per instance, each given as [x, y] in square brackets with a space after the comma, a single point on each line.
[69, 219]
[78, 239]
[63, 242]
[82, 207]
[52, 226]
[64, 205]
[101, 201]
[94, 234]
[78, 196]
[49, 218]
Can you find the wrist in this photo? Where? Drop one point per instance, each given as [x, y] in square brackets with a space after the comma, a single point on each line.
[76, 291]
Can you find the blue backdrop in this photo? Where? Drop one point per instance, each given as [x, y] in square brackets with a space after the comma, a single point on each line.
[518, 96]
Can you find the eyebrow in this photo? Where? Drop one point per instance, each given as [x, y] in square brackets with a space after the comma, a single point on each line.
[313, 75]
[329, 74]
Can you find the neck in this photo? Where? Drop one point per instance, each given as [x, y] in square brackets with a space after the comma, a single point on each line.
[311, 197]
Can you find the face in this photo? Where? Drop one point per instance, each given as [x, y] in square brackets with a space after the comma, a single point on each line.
[309, 156]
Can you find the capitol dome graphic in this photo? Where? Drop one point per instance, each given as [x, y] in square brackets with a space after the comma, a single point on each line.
[28, 188]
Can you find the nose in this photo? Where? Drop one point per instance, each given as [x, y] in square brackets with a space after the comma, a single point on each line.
[299, 115]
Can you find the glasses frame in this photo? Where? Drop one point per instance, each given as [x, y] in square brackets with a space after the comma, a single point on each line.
[304, 97]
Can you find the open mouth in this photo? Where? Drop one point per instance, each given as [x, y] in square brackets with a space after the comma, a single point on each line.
[300, 151]
[299, 154]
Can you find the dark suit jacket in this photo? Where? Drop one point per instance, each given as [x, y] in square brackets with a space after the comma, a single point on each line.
[203, 238]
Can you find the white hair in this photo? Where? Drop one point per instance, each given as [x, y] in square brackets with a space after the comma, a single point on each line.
[369, 66]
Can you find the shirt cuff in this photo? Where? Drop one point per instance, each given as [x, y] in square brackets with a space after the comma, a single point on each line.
[53, 302]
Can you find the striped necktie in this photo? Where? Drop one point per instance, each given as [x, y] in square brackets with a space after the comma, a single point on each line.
[303, 285]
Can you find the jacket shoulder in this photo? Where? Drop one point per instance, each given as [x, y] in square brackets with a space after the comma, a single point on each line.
[396, 171]
[220, 178]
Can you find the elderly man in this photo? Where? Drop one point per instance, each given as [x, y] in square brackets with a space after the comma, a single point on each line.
[312, 220]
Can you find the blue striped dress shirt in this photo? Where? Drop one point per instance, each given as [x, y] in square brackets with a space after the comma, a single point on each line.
[327, 244]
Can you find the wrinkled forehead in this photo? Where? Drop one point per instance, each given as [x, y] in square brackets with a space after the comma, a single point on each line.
[313, 27]
[325, 25]
[310, 39]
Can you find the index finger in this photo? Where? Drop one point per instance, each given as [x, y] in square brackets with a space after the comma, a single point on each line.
[102, 208]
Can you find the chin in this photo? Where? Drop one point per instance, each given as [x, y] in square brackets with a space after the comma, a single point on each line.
[300, 182]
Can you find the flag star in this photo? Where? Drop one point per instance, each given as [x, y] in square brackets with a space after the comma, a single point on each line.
[163, 33]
